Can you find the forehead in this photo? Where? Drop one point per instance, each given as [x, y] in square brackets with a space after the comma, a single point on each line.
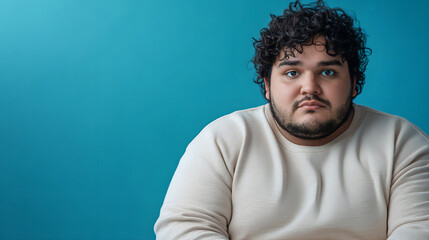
[310, 56]
[313, 50]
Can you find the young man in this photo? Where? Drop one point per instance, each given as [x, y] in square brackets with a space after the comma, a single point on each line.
[310, 164]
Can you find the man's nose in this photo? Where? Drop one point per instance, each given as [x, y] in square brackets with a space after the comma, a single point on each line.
[310, 85]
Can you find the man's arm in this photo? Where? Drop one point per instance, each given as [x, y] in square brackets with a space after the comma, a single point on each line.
[198, 201]
[409, 196]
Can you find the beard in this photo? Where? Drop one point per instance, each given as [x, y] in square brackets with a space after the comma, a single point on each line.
[312, 130]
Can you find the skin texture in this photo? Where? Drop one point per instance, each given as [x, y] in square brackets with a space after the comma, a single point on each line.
[311, 94]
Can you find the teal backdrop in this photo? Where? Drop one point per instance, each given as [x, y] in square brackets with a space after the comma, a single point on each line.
[99, 99]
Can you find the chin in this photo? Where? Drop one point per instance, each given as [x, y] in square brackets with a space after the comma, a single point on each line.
[312, 118]
[311, 125]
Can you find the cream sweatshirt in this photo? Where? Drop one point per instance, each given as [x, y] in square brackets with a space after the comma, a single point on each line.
[241, 179]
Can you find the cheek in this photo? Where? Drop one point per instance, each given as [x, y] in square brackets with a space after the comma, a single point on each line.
[339, 96]
[284, 91]
[283, 95]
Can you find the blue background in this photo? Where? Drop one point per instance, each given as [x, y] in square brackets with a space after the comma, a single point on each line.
[98, 99]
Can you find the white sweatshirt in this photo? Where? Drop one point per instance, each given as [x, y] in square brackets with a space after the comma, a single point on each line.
[241, 179]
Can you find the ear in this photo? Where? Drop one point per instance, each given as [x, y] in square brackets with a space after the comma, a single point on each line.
[267, 89]
[354, 87]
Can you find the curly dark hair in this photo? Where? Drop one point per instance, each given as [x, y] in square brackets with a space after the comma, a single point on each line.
[299, 25]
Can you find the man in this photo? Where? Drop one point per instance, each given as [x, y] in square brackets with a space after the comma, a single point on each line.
[310, 164]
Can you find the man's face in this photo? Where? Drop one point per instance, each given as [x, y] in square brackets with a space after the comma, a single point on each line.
[310, 93]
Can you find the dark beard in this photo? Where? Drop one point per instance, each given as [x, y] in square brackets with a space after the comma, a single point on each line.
[323, 130]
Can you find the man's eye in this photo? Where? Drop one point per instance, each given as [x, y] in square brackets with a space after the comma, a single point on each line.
[328, 72]
[292, 74]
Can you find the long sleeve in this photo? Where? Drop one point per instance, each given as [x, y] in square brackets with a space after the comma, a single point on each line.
[409, 197]
[198, 201]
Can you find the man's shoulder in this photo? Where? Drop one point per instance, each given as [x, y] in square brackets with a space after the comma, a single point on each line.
[379, 120]
[240, 117]
[235, 126]
[377, 113]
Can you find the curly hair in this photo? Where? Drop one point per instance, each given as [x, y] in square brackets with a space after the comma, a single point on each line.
[299, 25]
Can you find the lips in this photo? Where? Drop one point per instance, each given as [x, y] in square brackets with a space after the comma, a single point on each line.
[311, 105]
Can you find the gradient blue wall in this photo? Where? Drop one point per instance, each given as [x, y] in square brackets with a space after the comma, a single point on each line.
[98, 99]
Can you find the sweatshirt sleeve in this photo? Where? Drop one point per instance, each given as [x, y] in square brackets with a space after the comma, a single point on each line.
[409, 196]
[198, 202]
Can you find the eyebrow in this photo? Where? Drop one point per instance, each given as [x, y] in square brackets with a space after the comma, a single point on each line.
[289, 63]
[320, 64]
[329, 63]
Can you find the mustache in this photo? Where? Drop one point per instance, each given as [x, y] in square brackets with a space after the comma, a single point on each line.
[309, 98]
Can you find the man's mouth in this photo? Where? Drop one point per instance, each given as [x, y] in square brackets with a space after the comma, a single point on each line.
[311, 105]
